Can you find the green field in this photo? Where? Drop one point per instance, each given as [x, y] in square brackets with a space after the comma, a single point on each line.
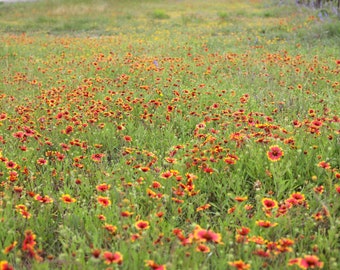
[173, 134]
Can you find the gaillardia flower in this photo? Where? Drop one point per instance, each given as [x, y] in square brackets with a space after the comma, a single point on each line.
[269, 204]
[66, 198]
[104, 201]
[110, 257]
[142, 225]
[203, 235]
[275, 153]
[239, 265]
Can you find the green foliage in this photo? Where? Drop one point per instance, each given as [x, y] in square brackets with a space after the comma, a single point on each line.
[159, 14]
[167, 112]
[223, 16]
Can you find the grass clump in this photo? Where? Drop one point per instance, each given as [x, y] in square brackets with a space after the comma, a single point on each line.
[223, 16]
[159, 15]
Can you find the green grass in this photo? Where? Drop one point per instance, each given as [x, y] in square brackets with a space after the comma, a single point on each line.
[126, 93]
[159, 14]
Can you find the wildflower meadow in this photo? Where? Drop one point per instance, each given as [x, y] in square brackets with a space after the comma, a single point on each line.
[169, 135]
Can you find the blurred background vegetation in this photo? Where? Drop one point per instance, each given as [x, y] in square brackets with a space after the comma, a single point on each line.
[223, 24]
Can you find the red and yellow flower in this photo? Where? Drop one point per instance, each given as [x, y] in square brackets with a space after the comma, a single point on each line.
[142, 225]
[4, 265]
[104, 201]
[269, 205]
[239, 265]
[307, 262]
[103, 187]
[112, 258]
[203, 235]
[66, 198]
[9, 248]
[266, 223]
[275, 153]
[154, 266]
